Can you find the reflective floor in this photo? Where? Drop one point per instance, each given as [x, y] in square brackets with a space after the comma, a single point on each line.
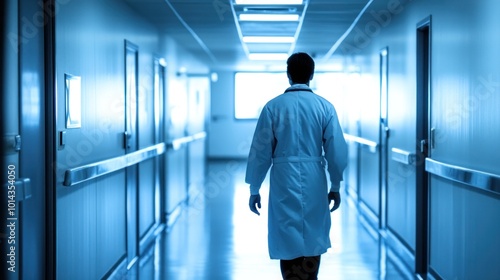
[216, 237]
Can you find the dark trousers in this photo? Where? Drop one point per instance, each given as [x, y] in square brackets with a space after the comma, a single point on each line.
[303, 268]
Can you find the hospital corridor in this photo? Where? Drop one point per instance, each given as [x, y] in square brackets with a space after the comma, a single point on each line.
[219, 238]
[215, 139]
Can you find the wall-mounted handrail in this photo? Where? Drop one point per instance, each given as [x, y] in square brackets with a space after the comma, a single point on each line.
[177, 143]
[372, 146]
[199, 135]
[90, 171]
[474, 178]
[403, 156]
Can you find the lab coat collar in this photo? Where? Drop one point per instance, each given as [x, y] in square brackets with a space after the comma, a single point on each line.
[296, 87]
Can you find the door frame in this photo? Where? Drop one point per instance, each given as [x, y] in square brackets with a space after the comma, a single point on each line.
[424, 142]
[131, 145]
[383, 135]
[160, 71]
[50, 140]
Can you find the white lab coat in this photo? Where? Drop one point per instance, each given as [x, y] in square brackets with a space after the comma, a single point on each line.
[293, 133]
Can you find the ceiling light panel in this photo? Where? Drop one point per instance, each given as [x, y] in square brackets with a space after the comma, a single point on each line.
[268, 39]
[268, 28]
[268, 48]
[250, 28]
[269, 2]
[269, 17]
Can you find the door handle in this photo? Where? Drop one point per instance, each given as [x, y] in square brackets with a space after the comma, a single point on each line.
[384, 128]
[22, 188]
[423, 146]
[432, 138]
[126, 139]
[17, 143]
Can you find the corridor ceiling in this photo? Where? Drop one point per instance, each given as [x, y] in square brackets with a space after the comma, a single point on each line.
[211, 29]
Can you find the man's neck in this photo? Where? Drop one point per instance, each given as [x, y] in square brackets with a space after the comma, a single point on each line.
[307, 84]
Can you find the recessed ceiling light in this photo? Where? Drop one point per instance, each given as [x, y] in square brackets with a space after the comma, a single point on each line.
[269, 2]
[268, 56]
[269, 17]
[268, 39]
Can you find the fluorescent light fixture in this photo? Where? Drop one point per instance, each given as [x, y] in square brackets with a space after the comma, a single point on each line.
[268, 39]
[269, 2]
[268, 56]
[269, 17]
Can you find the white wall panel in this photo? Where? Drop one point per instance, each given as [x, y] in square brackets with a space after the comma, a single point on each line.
[464, 238]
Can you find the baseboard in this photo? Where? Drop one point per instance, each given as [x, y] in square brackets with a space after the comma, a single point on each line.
[433, 275]
[369, 219]
[351, 193]
[119, 271]
[172, 216]
[150, 237]
[398, 254]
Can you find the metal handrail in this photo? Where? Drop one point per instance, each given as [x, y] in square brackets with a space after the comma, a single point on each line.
[403, 156]
[371, 145]
[177, 143]
[471, 177]
[91, 171]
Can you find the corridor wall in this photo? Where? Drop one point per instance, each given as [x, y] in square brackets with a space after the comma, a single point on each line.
[102, 224]
[464, 89]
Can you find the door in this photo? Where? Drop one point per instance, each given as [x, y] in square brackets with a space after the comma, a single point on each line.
[23, 127]
[198, 92]
[149, 124]
[33, 129]
[131, 145]
[369, 188]
[176, 159]
[424, 144]
[160, 72]
[9, 233]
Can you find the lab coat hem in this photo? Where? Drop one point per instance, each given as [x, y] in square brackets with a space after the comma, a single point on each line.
[294, 256]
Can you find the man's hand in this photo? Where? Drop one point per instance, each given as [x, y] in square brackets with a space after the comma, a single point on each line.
[255, 199]
[335, 196]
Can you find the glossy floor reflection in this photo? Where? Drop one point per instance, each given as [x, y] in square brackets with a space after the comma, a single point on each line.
[216, 237]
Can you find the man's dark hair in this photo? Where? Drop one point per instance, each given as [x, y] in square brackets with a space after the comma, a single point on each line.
[300, 67]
